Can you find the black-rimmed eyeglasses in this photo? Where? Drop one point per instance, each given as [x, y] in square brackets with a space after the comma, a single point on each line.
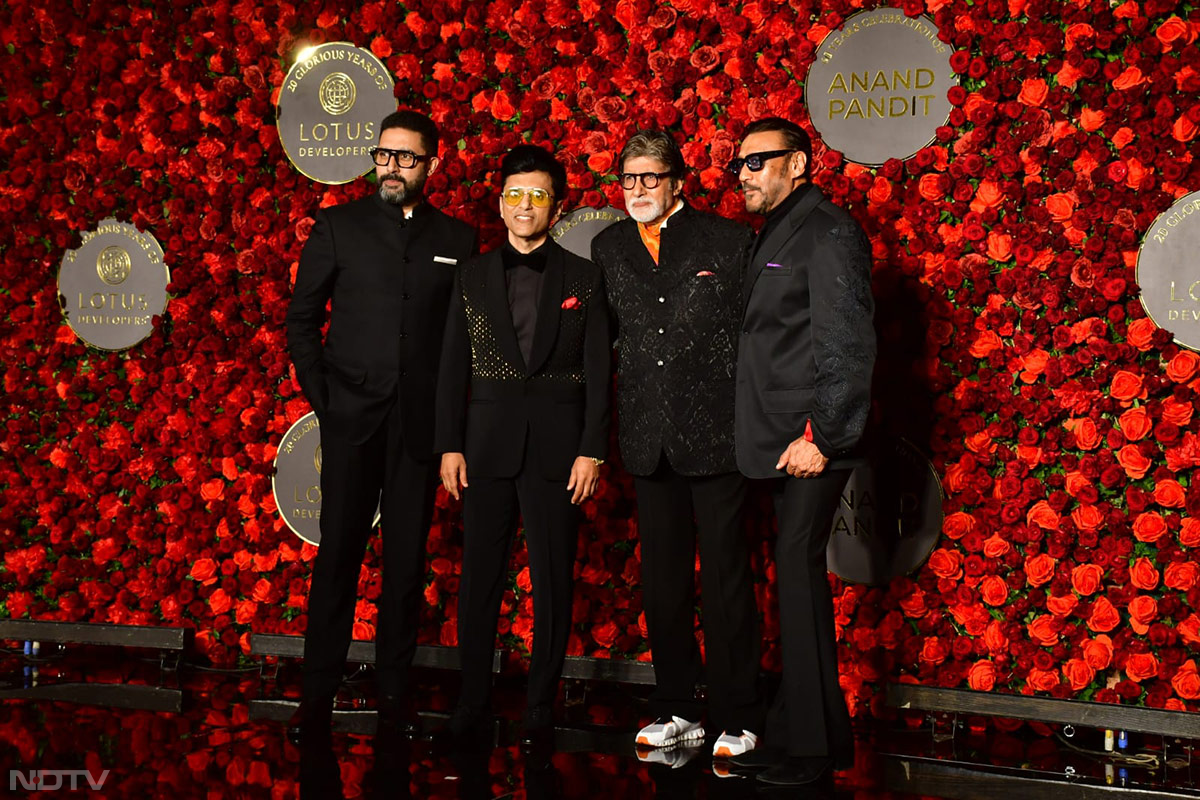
[755, 161]
[649, 179]
[404, 158]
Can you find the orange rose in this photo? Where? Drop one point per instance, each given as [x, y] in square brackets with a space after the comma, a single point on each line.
[1186, 681]
[932, 187]
[212, 490]
[1098, 652]
[1086, 435]
[994, 547]
[994, 638]
[1130, 78]
[1189, 532]
[933, 652]
[1090, 120]
[958, 525]
[1087, 517]
[1135, 423]
[1133, 462]
[1104, 616]
[982, 676]
[985, 343]
[946, 563]
[1140, 333]
[1043, 680]
[1183, 366]
[1143, 574]
[1189, 629]
[203, 570]
[1175, 412]
[1062, 605]
[1169, 493]
[1044, 630]
[1061, 206]
[988, 195]
[1086, 578]
[999, 246]
[1141, 666]
[1033, 92]
[1149, 527]
[1078, 673]
[1076, 483]
[220, 601]
[1126, 386]
[1043, 516]
[993, 590]
[1143, 610]
[1181, 576]
[1039, 569]
[914, 605]
[1172, 29]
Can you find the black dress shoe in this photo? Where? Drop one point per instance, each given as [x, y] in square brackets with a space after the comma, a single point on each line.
[797, 771]
[756, 759]
[397, 716]
[311, 720]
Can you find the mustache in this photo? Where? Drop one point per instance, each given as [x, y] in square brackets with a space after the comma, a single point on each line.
[394, 176]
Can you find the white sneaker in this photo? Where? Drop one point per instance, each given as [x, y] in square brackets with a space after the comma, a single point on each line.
[728, 746]
[665, 734]
[674, 756]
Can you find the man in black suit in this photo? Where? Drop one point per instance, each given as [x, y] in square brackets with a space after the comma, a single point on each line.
[674, 277]
[387, 263]
[523, 410]
[803, 394]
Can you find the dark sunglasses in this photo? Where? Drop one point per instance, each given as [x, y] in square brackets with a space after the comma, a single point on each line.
[755, 161]
[649, 179]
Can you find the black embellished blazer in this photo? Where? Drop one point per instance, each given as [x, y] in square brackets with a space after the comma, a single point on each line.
[677, 331]
[807, 347]
[491, 403]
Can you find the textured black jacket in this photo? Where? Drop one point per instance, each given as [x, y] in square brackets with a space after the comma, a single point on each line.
[677, 332]
[559, 400]
[388, 313]
[808, 345]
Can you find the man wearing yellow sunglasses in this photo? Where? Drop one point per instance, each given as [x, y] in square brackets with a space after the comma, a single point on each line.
[523, 416]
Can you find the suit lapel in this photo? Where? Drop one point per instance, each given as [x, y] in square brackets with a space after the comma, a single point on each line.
[498, 310]
[549, 309]
[642, 263]
[778, 237]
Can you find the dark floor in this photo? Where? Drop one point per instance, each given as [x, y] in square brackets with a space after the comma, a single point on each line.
[187, 732]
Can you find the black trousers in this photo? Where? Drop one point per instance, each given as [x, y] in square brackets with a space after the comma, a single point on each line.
[809, 715]
[353, 479]
[674, 511]
[490, 511]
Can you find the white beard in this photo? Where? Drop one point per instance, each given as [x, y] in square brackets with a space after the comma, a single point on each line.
[647, 213]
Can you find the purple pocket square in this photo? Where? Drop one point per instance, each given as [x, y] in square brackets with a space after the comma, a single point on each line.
[773, 265]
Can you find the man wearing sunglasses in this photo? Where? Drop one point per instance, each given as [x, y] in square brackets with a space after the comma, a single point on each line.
[386, 262]
[674, 278]
[803, 394]
[523, 416]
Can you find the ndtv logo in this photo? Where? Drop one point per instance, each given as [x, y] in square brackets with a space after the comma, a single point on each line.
[50, 780]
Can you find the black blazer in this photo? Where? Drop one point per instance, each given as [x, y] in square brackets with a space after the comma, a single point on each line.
[559, 400]
[390, 286]
[677, 331]
[808, 344]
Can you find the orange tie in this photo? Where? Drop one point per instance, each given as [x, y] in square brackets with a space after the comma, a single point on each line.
[651, 237]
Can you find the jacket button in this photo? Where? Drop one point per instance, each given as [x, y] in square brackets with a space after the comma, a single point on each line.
[662, 299]
[402, 373]
[403, 335]
[405, 296]
[660, 330]
[660, 363]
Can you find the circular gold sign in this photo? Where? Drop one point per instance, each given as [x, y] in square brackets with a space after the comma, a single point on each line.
[877, 88]
[112, 307]
[113, 265]
[1166, 271]
[336, 93]
[330, 107]
[296, 483]
[575, 231]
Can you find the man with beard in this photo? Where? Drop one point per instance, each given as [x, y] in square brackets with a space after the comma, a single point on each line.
[523, 417]
[387, 264]
[674, 278]
[803, 395]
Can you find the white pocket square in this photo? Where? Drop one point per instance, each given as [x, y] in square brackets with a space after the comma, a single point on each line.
[444, 260]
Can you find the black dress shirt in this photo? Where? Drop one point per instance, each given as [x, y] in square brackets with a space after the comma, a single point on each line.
[523, 277]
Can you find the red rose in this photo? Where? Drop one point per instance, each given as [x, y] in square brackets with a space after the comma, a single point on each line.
[1143, 610]
[1133, 462]
[1098, 652]
[1176, 412]
[571, 303]
[1086, 578]
[933, 651]
[1181, 576]
[1126, 386]
[1186, 682]
[1189, 532]
[958, 524]
[993, 590]
[1086, 435]
[1140, 666]
[1078, 673]
[219, 602]
[1148, 526]
[946, 563]
[1104, 616]
[982, 676]
[1039, 569]
[1143, 575]
[1043, 515]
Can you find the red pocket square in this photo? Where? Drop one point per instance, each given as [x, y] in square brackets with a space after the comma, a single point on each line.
[571, 303]
[704, 273]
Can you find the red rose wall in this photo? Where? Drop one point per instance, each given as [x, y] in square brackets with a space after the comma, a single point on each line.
[137, 486]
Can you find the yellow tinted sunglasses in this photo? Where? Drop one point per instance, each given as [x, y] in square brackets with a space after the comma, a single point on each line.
[540, 198]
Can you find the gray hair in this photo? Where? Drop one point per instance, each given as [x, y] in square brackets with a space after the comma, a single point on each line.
[657, 145]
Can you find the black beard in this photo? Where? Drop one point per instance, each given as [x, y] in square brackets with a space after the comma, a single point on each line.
[405, 194]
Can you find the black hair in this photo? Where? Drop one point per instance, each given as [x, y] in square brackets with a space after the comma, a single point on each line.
[794, 137]
[531, 158]
[416, 122]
